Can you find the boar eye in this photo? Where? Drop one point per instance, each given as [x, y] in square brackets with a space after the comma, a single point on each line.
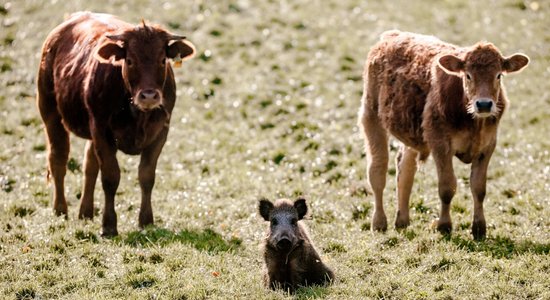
[129, 62]
[274, 222]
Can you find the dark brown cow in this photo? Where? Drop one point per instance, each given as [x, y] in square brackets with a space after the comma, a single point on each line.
[109, 82]
[435, 98]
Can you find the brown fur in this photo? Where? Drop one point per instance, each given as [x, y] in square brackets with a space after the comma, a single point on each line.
[301, 265]
[107, 81]
[435, 98]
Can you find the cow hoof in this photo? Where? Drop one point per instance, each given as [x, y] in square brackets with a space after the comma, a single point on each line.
[379, 222]
[444, 227]
[85, 215]
[402, 222]
[145, 221]
[109, 232]
[479, 230]
[61, 210]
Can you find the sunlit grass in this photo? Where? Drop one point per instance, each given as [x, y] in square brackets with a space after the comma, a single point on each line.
[268, 108]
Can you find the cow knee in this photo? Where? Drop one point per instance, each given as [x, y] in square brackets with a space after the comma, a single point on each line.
[480, 195]
[110, 184]
[446, 195]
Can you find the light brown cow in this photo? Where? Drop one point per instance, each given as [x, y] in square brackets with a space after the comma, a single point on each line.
[435, 98]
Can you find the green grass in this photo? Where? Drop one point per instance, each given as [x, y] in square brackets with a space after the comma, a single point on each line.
[268, 108]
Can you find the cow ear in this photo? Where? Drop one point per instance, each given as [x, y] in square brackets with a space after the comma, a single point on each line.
[515, 63]
[451, 64]
[111, 53]
[180, 50]
[265, 208]
[301, 207]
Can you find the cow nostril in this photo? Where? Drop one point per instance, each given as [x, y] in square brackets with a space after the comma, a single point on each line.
[284, 244]
[149, 94]
[484, 105]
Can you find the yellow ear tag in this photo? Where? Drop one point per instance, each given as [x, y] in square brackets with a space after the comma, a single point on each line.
[177, 61]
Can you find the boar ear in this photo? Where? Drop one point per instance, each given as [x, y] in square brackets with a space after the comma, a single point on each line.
[180, 49]
[265, 208]
[451, 64]
[111, 52]
[515, 63]
[301, 207]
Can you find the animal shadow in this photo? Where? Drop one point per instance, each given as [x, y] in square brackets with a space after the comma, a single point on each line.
[499, 246]
[205, 240]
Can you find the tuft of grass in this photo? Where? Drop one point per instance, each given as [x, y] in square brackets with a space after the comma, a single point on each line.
[443, 265]
[420, 207]
[86, 236]
[278, 158]
[141, 281]
[20, 211]
[6, 184]
[74, 166]
[311, 292]
[334, 247]
[361, 211]
[25, 294]
[390, 242]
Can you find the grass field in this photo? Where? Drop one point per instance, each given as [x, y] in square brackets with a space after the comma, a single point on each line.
[268, 108]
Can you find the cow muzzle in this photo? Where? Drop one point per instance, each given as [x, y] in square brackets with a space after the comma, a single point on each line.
[148, 99]
[484, 107]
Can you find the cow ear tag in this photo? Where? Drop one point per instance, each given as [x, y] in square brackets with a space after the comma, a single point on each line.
[177, 61]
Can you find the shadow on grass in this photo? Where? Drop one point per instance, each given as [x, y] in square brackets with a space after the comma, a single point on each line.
[206, 240]
[499, 246]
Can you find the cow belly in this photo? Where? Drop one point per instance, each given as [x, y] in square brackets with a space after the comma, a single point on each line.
[75, 118]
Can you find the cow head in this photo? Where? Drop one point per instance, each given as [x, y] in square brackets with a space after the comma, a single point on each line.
[142, 52]
[481, 70]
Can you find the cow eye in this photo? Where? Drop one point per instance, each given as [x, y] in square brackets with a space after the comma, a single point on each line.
[163, 61]
[468, 77]
[499, 76]
[294, 221]
[274, 222]
[129, 62]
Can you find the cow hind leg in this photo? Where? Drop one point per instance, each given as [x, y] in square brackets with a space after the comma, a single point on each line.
[58, 148]
[91, 170]
[377, 150]
[406, 168]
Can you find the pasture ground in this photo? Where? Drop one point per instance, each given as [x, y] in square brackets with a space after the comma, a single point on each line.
[268, 108]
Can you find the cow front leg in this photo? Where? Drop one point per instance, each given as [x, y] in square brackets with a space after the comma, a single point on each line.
[105, 150]
[91, 169]
[406, 162]
[447, 188]
[478, 183]
[146, 176]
